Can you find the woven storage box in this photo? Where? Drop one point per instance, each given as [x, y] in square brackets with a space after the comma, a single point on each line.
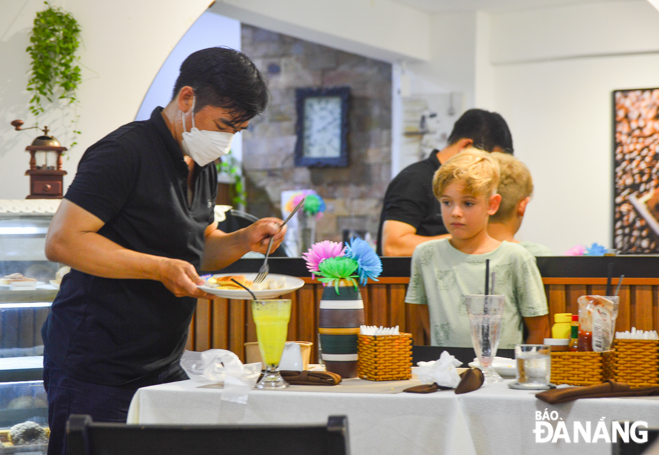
[581, 368]
[637, 362]
[384, 357]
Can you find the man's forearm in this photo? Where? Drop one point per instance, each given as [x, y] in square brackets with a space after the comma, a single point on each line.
[405, 245]
[222, 249]
[91, 253]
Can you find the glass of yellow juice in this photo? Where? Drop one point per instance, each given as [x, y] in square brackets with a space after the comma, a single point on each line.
[271, 318]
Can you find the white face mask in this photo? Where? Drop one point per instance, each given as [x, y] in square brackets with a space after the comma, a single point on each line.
[204, 146]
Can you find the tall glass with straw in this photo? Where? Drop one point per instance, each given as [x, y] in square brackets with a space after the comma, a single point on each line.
[485, 320]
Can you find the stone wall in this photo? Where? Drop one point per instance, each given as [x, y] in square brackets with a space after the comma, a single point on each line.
[353, 194]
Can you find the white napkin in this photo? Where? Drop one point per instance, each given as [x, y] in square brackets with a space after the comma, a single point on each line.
[441, 371]
[222, 366]
[374, 330]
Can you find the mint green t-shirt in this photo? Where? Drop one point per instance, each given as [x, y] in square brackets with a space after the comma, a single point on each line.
[442, 276]
[536, 249]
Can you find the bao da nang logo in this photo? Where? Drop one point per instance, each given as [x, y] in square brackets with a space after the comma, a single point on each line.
[551, 428]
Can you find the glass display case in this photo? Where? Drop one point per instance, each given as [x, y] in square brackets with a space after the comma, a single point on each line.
[23, 310]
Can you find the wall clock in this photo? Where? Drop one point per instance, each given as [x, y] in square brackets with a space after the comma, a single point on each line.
[322, 126]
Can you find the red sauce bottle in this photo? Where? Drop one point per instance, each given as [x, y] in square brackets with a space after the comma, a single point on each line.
[585, 341]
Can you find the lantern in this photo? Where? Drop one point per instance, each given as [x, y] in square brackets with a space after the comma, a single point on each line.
[46, 174]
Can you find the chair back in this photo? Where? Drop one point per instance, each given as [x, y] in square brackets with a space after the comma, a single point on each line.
[85, 437]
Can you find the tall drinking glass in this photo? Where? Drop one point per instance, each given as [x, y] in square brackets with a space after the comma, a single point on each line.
[485, 316]
[271, 318]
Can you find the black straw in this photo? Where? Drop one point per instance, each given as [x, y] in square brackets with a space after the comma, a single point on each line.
[619, 283]
[487, 277]
[609, 275]
[244, 287]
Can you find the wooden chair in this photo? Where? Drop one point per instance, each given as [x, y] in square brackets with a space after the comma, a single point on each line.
[86, 437]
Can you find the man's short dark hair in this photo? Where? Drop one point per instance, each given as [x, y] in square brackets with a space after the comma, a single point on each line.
[223, 77]
[487, 129]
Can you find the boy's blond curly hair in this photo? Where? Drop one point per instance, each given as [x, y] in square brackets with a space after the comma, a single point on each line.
[515, 184]
[476, 169]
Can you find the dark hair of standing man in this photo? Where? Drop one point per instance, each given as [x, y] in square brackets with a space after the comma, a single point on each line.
[223, 77]
[487, 129]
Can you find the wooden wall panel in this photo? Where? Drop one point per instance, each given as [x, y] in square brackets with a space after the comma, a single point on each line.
[220, 315]
[203, 325]
[642, 308]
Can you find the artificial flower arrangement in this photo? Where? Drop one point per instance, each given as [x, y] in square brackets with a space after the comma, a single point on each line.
[334, 262]
[593, 250]
[313, 204]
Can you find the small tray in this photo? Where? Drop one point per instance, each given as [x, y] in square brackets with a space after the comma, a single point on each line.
[519, 386]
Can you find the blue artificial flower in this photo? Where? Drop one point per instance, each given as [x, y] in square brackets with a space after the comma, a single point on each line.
[595, 250]
[369, 263]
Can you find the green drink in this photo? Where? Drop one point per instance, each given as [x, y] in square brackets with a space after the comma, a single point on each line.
[271, 318]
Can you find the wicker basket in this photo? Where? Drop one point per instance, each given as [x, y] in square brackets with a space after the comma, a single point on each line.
[384, 357]
[637, 362]
[581, 368]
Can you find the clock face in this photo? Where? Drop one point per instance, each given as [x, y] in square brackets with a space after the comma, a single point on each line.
[322, 127]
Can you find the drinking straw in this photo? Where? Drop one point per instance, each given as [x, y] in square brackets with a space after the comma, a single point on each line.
[609, 275]
[619, 283]
[487, 277]
[244, 287]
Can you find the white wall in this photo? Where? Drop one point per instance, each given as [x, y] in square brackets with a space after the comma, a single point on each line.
[554, 72]
[124, 44]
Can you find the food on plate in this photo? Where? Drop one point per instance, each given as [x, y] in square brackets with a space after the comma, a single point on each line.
[269, 283]
[14, 278]
[225, 282]
[60, 274]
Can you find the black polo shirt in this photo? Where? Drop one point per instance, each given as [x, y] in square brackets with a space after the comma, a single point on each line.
[409, 199]
[120, 331]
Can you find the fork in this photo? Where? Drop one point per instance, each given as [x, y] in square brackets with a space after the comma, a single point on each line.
[265, 268]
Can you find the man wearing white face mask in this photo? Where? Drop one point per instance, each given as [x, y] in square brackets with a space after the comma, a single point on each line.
[136, 226]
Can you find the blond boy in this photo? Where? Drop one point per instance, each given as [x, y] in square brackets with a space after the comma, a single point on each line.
[515, 188]
[444, 271]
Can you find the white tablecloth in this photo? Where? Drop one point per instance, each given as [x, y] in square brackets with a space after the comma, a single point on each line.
[492, 420]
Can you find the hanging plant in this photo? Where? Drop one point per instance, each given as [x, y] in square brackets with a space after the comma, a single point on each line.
[54, 73]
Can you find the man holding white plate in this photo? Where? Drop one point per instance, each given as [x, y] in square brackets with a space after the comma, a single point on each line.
[135, 226]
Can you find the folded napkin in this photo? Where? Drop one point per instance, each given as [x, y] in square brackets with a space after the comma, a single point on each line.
[222, 366]
[607, 389]
[470, 380]
[307, 377]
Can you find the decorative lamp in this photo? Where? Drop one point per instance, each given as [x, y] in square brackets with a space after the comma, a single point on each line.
[46, 174]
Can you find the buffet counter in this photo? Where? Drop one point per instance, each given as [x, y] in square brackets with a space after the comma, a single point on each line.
[227, 324]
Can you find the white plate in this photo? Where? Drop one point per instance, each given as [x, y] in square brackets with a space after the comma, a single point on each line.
[505, 367]
[292, 284]
[54, 283]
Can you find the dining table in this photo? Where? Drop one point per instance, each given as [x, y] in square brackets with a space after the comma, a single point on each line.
[383, 419]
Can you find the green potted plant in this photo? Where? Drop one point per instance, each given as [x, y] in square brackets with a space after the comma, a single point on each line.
[54, 73]
[230, 167]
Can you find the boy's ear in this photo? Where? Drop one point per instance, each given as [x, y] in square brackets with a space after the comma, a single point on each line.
[493, 204]
[521, 206]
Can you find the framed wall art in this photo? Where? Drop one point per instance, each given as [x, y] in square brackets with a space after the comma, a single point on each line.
[636, 171]
[322, 126]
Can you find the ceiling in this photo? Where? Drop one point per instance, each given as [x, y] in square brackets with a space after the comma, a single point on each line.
[492, 6]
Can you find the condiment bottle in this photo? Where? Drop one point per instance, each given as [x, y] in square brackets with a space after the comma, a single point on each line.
[574, 334]
[562, 325]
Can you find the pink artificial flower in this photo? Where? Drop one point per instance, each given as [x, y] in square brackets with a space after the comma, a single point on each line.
[578, 250]
[321, 251]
